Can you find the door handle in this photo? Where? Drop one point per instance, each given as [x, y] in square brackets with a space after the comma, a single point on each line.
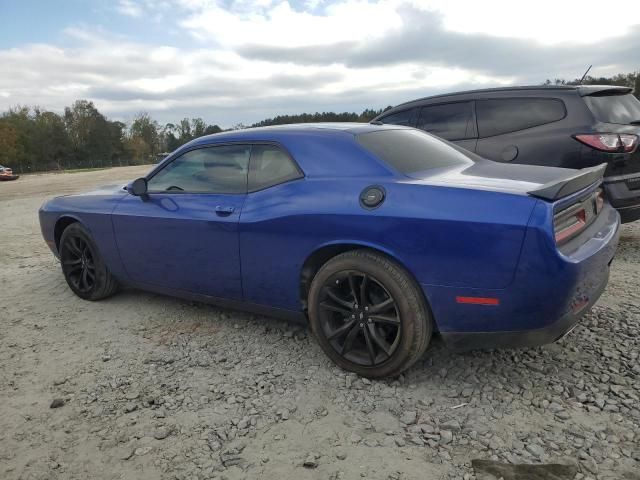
[224, 210]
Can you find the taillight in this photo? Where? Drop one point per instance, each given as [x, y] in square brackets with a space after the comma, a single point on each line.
[569, 222]
[572, 220]
[610, 142]
[629, 141]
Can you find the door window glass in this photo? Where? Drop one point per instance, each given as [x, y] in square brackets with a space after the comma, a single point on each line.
[451, 121]
[221, 169]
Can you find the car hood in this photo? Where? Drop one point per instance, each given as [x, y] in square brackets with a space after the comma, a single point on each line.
[104, 190]
[495, 176]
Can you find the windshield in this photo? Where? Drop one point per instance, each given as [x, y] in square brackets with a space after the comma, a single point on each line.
[413, 151]
[614, 108]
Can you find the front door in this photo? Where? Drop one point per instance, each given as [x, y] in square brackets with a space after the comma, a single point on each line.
[183, 235]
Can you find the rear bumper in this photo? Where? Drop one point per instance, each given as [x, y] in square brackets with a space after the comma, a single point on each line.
[525, 338]
[551, 290]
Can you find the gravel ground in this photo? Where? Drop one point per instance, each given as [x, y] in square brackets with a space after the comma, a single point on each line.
[146, 386]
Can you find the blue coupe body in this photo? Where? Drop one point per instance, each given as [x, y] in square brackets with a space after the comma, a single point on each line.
[479, 244]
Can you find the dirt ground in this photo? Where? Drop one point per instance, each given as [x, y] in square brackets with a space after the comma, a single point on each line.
[153, 387]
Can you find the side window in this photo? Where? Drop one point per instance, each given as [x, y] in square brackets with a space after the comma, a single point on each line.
[404, 117]
[499, 116]
[270, 166]
[221, 169]
[451, 121]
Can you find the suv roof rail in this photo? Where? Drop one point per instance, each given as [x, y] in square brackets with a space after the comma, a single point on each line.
[494, 89]
[583, 90]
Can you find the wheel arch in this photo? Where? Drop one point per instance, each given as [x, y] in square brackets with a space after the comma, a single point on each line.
[61, 224]
[323, 253]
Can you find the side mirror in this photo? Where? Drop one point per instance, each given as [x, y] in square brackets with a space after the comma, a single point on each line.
[138, 187]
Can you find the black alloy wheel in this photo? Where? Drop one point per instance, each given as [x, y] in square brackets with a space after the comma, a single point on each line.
[368, 314]
[78, 264]
[360, 318]
[83, 268]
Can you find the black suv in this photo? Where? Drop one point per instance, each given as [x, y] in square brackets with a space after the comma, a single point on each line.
[561, 126]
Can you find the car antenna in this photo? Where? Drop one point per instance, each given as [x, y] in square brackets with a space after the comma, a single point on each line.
[585, 74]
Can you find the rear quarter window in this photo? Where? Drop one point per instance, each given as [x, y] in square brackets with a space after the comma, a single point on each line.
[411, 151]
[405, 117]
[506, 115]
[614, 108]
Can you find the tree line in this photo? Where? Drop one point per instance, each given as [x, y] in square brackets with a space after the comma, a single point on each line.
[366, 116]
[33, 139]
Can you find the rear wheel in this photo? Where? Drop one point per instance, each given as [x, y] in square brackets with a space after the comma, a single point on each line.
[368, 314]
[83, 269]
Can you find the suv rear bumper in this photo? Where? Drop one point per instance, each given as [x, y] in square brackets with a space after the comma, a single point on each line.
[623, 199]
[629, 214]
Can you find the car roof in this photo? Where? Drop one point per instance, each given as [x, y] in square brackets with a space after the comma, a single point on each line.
[276, 132]
[320, 149]
[583, 90]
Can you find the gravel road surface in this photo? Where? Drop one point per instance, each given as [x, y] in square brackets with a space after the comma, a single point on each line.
[148, 387]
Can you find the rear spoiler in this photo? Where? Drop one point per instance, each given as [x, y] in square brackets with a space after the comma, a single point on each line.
[573, 183]
[599, 90]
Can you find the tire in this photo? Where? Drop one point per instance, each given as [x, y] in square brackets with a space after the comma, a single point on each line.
[386, 338]
[83, 268]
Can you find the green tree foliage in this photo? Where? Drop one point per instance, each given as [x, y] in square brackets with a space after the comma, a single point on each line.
[90, 135]
[143, 141]
[33, 139]
[8, 143]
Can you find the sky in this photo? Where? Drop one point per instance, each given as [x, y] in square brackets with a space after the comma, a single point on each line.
[233, 62]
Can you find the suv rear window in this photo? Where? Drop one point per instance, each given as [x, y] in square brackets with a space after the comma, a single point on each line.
[499, 116]
[614, 108]
[412, 151]
[451, 121]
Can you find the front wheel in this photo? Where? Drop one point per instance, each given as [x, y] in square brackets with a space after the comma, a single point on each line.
[83, 269]
[368, 314]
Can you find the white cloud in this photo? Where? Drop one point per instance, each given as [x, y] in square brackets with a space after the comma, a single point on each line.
[281, 25]
[129, 8]
[548, 22]
[275, 22]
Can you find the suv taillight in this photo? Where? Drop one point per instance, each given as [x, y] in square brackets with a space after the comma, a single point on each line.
[572, 220]
[609, 142]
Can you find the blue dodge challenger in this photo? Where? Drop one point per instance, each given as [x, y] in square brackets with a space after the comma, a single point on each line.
[377, 235]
